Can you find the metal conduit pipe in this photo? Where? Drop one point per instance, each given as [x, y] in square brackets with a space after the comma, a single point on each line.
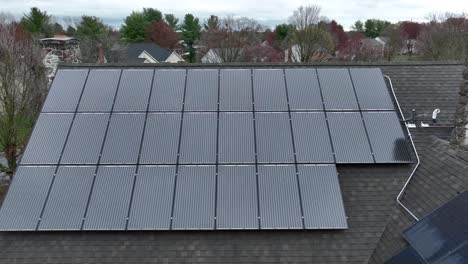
[398, 198]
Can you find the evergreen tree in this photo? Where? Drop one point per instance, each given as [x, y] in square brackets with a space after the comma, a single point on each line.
[191, 31]
[37, 22]
[133, 29]
[172, 21]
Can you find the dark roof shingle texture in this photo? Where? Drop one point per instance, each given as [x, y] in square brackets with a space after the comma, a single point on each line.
[369, 193]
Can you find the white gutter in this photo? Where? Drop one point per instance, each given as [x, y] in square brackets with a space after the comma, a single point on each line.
[398, 199]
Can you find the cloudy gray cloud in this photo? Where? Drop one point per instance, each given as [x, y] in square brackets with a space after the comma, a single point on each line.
[269, 12]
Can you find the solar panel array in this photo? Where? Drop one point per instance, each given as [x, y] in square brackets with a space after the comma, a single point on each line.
[169, 149]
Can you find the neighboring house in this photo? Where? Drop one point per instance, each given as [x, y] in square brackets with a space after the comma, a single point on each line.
[212, 57]
[374, 219]
[292, 54]
[409, 47]
[59, 49]
[144, 52]
[382, 40]
[220, 55]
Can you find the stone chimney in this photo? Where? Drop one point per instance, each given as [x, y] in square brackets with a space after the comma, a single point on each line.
[461, 121]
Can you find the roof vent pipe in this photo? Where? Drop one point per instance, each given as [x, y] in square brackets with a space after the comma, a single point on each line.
[398, 198]
[434, 115]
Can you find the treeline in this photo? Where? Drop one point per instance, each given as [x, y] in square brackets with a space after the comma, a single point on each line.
[307, 36]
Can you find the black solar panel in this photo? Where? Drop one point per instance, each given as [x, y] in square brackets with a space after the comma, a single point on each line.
[236, 138]
[65, 91]
[110, 198]
[99, 92]
[202, 90]
[386, 137]
[280, 206]
[22, 207]
[68, 198]
[303, 89]
[349, 138]
[123, 139]
[161, 138]
[155, 184]
[235, 88]
[194, 205]
[47, 140]
[198, 139]
[274, 140]
[237, 206]
[134, 90]
[269, 90]
[371, 90]
[185, 148]
[311, 137]
[168, 90]
[337, 89]
[85, 139]
[441, 236]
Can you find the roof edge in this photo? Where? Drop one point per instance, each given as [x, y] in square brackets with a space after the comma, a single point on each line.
[243, 64]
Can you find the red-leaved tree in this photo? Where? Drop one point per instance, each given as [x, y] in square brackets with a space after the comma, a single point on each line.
[339, 35]
[410, 30]
[163, 35]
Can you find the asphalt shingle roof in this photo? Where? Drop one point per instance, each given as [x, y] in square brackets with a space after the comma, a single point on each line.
[440, 177]
[369, 193]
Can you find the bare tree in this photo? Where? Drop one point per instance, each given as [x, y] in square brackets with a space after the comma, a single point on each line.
[442, 38]
[229, 41]
[305, 16]
[22, 90]
[308, 41]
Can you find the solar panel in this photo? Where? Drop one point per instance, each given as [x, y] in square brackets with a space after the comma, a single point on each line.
[235, 90]
[237, 198]
[407, 256]
[279, 197]
[386, 136]
[349, 138]
[26, 197]
[161, 138]
[337, 89]
[65, 91]
[202, 90]
[198, 142]
[123, 139]
[371, 90]
[311, 138]
[441, 236]
[274, 140]
[321, 197]
[47, 140]
[152, 199]
[99, 92]
[134, 90]
[194, 205]
[110, 198]
[269, 90]
[168, 90]
[68, 198]
[185, 148]
[85, 139]
[236, 138]
[303, 89]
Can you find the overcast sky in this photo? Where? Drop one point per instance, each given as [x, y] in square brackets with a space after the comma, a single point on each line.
[269, 12]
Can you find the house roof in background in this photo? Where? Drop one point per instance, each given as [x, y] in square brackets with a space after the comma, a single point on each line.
[369, 193]
[130, 52]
